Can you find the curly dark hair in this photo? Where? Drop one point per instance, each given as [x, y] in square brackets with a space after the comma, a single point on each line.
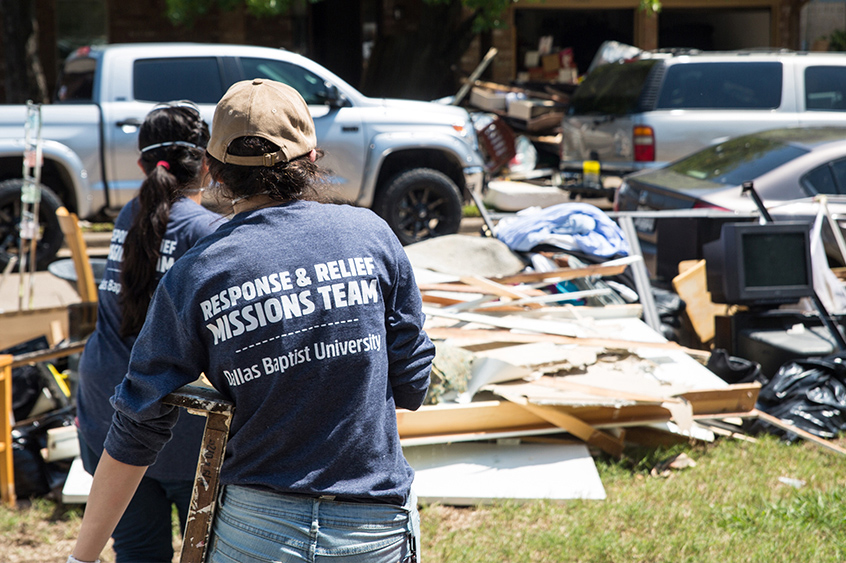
[286, 181]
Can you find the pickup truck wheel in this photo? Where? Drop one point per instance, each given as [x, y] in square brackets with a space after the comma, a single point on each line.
[51, 236]
[420, 204]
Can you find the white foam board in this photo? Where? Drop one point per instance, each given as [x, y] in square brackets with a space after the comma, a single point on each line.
[77, 485]
[471, 473]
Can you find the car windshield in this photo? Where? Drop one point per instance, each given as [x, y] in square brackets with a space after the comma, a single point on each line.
[611, 89]
[737, 160]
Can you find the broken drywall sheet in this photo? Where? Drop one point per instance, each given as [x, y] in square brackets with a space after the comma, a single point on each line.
[465, 255]
[470, 473]
[545, 357]
[491, 370]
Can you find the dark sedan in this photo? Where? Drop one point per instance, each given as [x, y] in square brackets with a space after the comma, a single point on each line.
[788, 168]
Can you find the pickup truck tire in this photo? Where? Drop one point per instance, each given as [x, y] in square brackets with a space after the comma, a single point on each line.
[419, 204]
[10, 217]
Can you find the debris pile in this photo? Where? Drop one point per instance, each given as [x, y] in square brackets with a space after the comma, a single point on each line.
[538, 356]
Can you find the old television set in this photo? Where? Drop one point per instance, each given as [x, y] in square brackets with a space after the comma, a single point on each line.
[760, 265]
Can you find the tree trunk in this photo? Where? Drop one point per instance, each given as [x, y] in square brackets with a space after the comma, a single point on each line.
[420, 62]
[24, 77]
[336, 37]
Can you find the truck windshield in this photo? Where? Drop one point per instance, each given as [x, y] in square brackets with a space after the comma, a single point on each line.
[76, 83]
[611, 89]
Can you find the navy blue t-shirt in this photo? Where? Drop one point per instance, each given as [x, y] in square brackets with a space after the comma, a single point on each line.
[106, 356]
[307, 316]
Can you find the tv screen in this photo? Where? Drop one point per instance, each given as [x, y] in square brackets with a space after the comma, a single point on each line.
[760, 264]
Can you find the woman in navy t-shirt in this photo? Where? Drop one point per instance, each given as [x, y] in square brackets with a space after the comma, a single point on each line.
[307, 316]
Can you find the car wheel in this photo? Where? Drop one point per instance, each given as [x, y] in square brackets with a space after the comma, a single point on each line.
[50, 232]
[420, 204]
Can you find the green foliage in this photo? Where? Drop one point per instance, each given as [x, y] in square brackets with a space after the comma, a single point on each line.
[650, 6]
[488, 13]
[185, 12]
[837, 40]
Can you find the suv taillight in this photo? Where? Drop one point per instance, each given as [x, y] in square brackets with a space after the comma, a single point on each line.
[644, 143]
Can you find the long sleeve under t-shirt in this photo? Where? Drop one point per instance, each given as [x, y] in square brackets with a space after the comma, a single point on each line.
[307, 317]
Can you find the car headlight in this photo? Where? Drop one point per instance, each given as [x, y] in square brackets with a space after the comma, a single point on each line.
[466, 131]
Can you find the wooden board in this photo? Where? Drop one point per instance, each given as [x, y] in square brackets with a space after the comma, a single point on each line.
[737, 398]
[17, 327]
[691, 286]
[483, 418]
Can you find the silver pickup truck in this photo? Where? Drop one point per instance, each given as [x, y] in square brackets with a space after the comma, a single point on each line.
[411, 162]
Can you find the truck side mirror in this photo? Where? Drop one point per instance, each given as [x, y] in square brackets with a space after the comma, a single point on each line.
[334, 98]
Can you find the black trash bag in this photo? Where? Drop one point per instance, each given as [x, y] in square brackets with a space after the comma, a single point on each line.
[27, 381]
[669, 307]
[35, 477]
[27, 386]
[810, 393]
[732, 369]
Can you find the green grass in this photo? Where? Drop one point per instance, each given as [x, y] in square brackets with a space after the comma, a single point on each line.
[470, 210]
[730, 507]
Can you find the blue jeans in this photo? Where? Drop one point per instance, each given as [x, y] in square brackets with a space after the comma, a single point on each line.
[254, 526]
[145, 531]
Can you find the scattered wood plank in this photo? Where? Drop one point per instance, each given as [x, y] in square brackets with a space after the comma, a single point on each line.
[789, 427]
[440, 300]
[783, 425]
[564, 274]
[577, 427]
[485, 285]
[737, 398]
[48, 354]
[523, 337]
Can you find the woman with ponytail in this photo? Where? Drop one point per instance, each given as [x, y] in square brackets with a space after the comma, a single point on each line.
[151, 232]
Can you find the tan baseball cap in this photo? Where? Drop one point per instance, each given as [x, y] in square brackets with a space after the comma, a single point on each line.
[267, 109]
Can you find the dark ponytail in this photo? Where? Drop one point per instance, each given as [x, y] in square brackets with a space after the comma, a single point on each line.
[172, 142]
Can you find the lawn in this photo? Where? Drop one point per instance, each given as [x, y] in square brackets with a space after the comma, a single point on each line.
[763, 501]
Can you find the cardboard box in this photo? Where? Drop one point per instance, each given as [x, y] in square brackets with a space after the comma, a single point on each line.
[487, 99]
[532, 59]
[529, 109]
[536, 73]
[568, 75]
[551, 63]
